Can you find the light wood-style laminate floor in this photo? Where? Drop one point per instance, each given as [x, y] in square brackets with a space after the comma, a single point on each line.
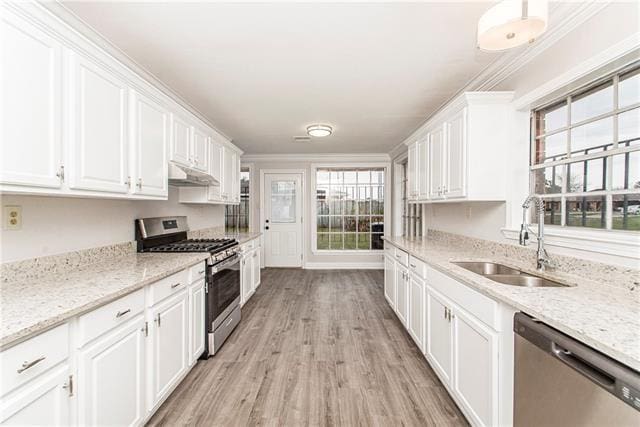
[315, 347]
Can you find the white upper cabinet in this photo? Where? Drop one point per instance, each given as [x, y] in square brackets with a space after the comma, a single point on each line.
[76, 121]
[435, 167]
[180, 150]
[455, 155]
[200, 150]
[228, 171]
[98, 152]
[466, 154]
[149, 139]
[31, 152]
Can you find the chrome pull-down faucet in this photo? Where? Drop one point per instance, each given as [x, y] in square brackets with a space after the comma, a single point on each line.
[542, 257]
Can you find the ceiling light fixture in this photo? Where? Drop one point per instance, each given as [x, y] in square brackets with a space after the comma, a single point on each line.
[319, 130]
[511, 23]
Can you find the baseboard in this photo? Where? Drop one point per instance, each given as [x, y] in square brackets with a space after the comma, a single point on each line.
[344, 265]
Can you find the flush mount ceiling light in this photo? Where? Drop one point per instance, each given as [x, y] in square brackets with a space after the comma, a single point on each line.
[511, 23]
[319, 130]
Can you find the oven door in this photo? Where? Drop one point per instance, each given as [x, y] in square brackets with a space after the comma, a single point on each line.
[223, 291]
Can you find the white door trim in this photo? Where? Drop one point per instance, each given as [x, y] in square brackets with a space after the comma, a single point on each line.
[303, 195]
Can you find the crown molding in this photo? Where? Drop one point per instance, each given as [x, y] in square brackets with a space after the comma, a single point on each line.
[564, 17]
[324, 157]
[60, 12]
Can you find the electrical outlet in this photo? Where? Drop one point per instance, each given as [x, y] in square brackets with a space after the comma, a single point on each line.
[12, 217]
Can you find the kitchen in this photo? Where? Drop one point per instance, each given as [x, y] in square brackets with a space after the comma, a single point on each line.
[235, 213]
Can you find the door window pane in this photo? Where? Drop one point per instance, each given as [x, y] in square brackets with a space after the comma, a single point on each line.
[283, 202]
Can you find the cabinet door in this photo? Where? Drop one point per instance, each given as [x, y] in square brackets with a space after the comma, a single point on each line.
[43, 401]
[180, 151]
[390, 281]
[200, 150]
[111, 377]
[227, 170]
[256, 268]
[197, 321]
[475, 364]
[423, 168]
[150, 135]
[436, 163]
[169, 351]
[416, 310]
[215, 160]
[31, 152]
[98, 142]
[245, 278]
[456, 147]
[412, 175]
[439, 340]
[238, 174]
[402, 293]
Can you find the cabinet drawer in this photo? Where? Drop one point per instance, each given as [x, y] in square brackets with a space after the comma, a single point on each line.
[401, 256]
[95, 323]
[33, 357]
[480, 306]
[197, 272]
[168, 286]
[417, 266]
[389, 249]
[247, 246]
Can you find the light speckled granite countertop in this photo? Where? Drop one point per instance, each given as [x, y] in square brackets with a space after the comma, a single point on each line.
[28, 307]
[602, 316]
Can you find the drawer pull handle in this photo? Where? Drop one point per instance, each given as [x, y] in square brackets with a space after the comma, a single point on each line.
[412, 265]
[175, 285]
[122, 313]
[201, 272]
[27, 365]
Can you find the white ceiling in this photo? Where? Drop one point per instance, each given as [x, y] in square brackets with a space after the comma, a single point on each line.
[262, 72]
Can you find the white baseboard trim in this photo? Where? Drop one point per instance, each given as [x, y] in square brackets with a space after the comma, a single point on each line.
[344, 265]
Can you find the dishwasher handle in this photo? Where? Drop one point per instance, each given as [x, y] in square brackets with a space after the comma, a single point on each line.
[611, 375]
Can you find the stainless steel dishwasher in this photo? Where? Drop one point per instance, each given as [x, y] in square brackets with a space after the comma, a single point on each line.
[562, 382]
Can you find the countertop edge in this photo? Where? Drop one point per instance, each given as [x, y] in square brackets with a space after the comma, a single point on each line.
[43, 326]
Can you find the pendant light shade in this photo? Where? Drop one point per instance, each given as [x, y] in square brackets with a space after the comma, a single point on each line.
[512, 23]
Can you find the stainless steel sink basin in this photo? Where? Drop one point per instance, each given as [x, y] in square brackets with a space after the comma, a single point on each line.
[525, 280]
[507, 275]
[486, 268]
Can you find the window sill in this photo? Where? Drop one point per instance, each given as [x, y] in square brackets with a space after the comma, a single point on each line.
[611, 242]
[347, 252]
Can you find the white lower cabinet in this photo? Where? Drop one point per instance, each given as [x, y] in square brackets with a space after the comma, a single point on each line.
[466, 337]
[415, 323]
[168, 359]
[390, 280]
[402, 292]
[111, 377]
[246, 281]
[249, 270]
[44, 401]
[439, 336]
[112, 366]
[475, 364]
[255, 264]
[196, 320]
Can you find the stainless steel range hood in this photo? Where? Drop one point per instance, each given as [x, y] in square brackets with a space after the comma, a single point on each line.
[184, 176]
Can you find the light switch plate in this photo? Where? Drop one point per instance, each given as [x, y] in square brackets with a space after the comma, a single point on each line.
[12, 216]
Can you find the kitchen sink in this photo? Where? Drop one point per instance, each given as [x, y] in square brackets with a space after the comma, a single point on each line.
[507, 275]
[524, 279]
[486, 268]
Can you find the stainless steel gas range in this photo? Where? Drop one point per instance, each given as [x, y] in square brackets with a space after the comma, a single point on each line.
[169, 234]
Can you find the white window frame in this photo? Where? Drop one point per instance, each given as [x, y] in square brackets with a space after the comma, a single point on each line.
[564, 195]
[313, 208]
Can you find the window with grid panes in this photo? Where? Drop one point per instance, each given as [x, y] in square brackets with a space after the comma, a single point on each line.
[586, 155]
[236, 218]
[349, 208]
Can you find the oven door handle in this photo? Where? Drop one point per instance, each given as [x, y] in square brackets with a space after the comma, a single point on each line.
[226, 263]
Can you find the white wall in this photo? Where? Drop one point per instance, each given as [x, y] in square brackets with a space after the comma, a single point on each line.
[313, 260]
[53, 225]
[615, 23]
